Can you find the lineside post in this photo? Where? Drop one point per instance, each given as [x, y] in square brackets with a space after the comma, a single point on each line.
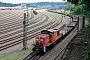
[78, 23]
[83, 21]
[25, 31]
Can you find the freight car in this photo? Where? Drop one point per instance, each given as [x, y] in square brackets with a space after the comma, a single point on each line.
[50, 37]
[35, 12]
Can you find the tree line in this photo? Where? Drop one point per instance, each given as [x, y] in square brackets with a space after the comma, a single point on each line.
[7, 4]
[78, 7]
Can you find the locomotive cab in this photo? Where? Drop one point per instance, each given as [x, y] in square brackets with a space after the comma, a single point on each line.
[40, 42]
[42, 39]
[45, 39]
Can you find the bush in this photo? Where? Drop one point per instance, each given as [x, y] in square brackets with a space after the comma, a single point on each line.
[80, 9]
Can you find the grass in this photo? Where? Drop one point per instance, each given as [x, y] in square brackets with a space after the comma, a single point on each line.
[15, 55]
[4, 34]
[60, 15]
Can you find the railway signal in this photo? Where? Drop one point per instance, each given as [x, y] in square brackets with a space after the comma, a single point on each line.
[25, 29]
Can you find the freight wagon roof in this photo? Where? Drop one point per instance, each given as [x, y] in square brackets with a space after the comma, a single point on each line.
[73, 24]
[66, 29]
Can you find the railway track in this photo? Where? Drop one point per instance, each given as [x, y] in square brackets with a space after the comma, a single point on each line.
[32, 56]
[12, 42]
[17, 31]
[20, 32]
[5, 45]
[18, 39]
[33, 31]
[14, 23]
[36, 56]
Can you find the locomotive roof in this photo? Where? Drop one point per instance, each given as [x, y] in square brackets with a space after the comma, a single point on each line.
[50, 30]
[42, 35]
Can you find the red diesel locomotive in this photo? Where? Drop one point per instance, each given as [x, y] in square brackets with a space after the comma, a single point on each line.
[46, 40]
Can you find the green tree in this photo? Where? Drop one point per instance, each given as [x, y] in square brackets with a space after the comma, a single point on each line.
[68, 6]
[80, 9]
[79, 2]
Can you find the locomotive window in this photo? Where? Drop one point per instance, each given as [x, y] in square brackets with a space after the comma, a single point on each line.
[44, 32]
[37, 38]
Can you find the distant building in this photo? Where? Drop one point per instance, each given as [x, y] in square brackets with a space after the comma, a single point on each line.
[23, 5]
[2, 8]
[11, 8]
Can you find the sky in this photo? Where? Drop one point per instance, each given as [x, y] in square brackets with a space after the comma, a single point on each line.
[28, 1]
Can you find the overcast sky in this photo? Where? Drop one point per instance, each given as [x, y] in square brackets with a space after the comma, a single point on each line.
[28, 1]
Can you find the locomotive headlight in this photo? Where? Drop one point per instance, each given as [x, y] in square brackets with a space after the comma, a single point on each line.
[41, 39]
[37, 49]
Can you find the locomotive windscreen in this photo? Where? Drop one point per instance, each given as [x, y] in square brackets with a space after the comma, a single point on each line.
[44, 32]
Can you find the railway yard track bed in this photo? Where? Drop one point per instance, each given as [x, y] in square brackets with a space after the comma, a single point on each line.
[13, 36]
